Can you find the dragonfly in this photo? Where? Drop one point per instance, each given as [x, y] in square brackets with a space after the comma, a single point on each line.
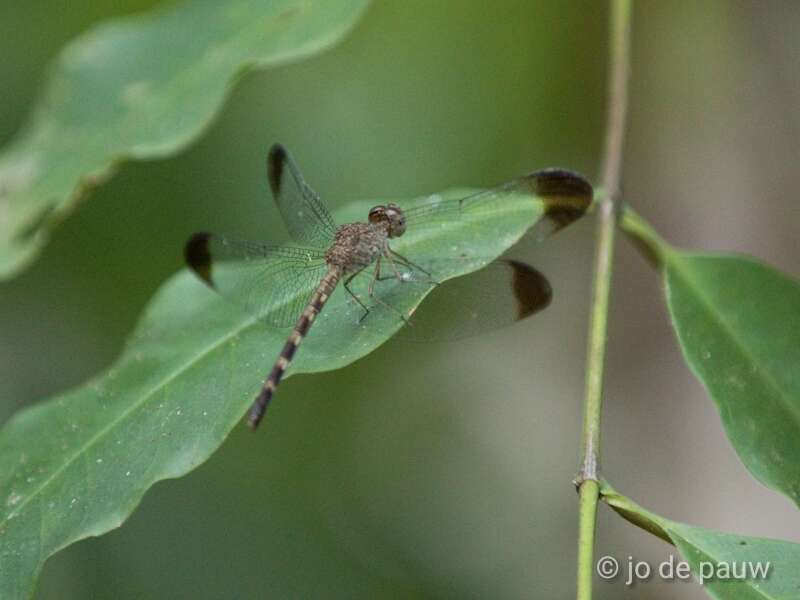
[272, 281]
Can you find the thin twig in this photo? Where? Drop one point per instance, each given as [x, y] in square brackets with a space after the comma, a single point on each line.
[588, 476]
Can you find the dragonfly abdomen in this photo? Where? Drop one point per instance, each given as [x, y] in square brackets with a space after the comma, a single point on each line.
[318, 300]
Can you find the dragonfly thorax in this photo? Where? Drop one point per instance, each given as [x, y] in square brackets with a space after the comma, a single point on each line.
[357, 245]
[391, 217]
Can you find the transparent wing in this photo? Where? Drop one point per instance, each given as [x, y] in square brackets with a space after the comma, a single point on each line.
[306, 217]
[274, 283]
[566, 195]
[500, 293]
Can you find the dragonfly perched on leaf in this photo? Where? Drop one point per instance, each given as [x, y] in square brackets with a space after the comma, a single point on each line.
[288, 286]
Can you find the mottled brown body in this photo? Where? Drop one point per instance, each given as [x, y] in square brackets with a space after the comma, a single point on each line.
[355, 247]
[270, 281]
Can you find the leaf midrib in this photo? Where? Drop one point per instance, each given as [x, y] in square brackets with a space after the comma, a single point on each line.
[249, 321]
[708, 304]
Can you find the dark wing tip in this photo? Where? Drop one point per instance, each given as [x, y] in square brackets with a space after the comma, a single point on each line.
[198, 256]
[567, 194]
[275, 167]
[531, 288]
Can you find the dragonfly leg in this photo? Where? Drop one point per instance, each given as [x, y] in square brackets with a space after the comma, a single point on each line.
[375, 277]
[395, 275]
[385, 277]
[392, 308]
[407, 263]
[355, 296]
[372, 295]
[394, 267]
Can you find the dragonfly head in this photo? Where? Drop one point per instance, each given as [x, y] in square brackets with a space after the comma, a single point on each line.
[391, 217]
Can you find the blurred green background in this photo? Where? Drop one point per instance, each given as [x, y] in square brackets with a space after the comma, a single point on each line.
[431, 471]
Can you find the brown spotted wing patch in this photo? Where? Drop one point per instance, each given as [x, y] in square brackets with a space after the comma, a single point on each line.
[304, 213]
[566, 196]
[273, 283]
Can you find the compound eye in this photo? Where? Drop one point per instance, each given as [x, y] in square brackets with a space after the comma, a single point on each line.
[377, 213]
[394, 212]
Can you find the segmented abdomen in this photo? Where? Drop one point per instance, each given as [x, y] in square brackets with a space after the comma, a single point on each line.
[318, 300]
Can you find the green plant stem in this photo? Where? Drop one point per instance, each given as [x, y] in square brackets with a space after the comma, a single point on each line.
[655, 249]
[588, 477]
[633, 513]
[588, 491]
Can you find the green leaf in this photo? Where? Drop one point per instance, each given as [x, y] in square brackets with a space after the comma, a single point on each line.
[142, 88]
[738, 323]
[77, 465]
[730, 567]
[735, 567]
